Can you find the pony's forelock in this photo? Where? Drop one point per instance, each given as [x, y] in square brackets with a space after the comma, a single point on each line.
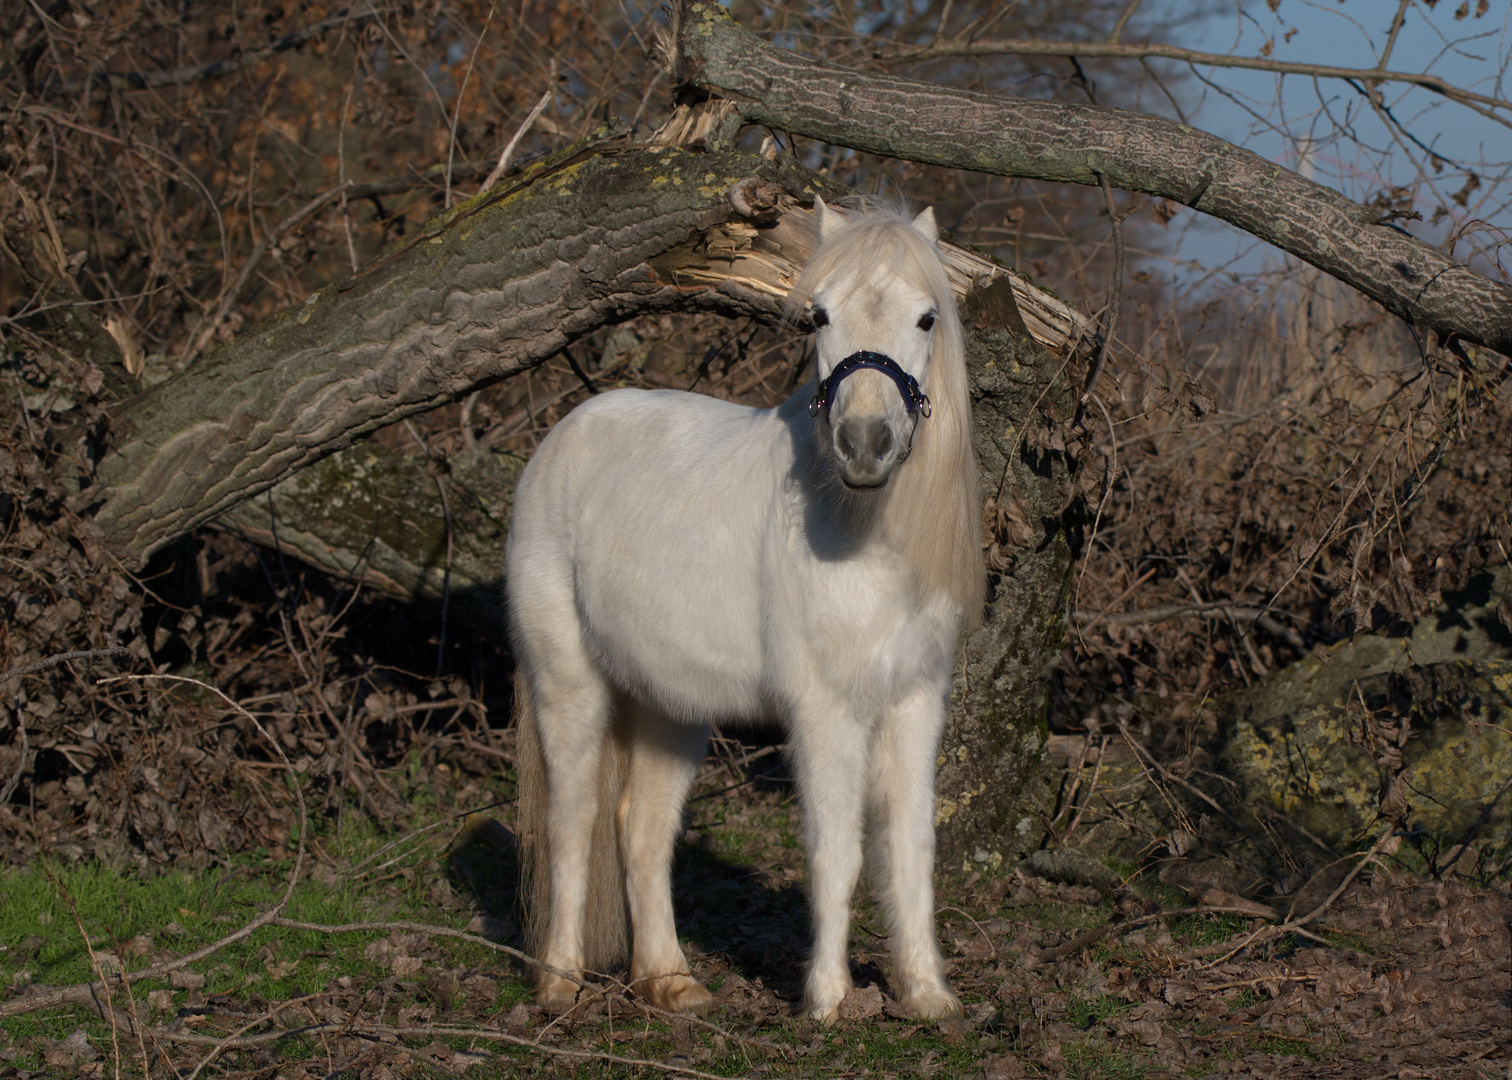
[877, 234]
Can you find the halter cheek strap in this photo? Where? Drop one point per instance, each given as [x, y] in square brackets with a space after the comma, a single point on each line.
[914, 399]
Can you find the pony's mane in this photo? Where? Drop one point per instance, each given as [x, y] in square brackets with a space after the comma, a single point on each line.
[932, 516]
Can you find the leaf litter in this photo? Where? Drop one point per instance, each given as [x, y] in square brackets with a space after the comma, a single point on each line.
[1399, 976]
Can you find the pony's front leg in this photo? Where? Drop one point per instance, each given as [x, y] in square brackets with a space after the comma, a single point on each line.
[664, 757]
[830, 749]
[903, 846]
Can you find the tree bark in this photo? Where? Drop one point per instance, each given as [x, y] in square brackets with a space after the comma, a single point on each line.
[992, 793]
[376, 515]
[904, 118]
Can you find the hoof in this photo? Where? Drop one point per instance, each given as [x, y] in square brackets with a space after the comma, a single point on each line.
[555, 994]
[674, 993]
[824, 1005]
[826, 1017]
[930, 1003]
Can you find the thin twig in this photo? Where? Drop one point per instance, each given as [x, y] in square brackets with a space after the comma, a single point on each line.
[1090, 617]
[438, 931]
[985, 935]
[1102, 755]
[1483, 104]
[62, 658]
[509, 148]
[95, 966]
[1296, 926]
[578, 370]
[230, 1040]
[1123, 21]
[1261, 981]
[437, 1031]
[451, 141]
[10, 785]
[1115, 290]
[1096, 934]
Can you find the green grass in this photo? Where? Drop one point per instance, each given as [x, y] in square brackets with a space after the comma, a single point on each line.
[1083, 1013]
[1246, 997]
[1099, 1061]
[1208, 929]
[181, 910]
[1279, 1044]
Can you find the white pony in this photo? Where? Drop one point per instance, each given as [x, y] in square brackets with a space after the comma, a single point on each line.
[677, 560]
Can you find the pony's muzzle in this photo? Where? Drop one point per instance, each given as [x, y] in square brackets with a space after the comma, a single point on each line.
[867, 450]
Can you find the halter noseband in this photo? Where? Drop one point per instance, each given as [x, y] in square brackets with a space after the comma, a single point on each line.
[914, 399]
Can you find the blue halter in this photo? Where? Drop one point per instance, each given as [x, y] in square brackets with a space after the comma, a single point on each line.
[914, 399]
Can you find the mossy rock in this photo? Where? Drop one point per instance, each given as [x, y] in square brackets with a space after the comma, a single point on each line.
[1381, 725]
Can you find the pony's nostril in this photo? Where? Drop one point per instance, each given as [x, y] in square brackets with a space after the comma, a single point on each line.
[843, 442]
[884, 443]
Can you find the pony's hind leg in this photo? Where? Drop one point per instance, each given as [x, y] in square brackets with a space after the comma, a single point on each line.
[572, 717]
[903, 845]
[664, 757]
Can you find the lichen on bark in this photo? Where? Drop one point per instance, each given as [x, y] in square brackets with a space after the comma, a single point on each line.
[1382, 726]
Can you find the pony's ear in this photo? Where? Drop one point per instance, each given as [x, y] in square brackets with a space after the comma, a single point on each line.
[830, 222]
[925, 225]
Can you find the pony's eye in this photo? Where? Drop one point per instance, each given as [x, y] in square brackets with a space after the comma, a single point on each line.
[926, 322]
[819, 318]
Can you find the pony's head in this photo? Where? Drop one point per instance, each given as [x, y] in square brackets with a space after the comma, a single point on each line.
[882, 307]
[893, 413]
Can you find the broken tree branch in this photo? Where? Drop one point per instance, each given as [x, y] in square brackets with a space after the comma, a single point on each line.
[1069, 143]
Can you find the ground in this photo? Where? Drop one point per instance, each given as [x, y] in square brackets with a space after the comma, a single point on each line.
[1402, 976]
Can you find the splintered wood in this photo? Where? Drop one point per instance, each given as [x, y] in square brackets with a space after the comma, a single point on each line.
[767, 257]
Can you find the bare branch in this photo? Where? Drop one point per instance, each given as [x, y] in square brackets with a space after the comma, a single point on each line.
[63, 658]
[1123, 21]
[1116, 50]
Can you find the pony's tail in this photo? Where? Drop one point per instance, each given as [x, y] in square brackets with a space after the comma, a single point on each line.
[606, 937]
[530, 820]
[606, 933]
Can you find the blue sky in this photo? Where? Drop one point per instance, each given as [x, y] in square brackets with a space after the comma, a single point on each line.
[1327, 129]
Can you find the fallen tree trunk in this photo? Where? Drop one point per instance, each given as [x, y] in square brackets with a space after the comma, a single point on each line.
[599, 234]
[499, 284]
[376, 515]
[1077, 144]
